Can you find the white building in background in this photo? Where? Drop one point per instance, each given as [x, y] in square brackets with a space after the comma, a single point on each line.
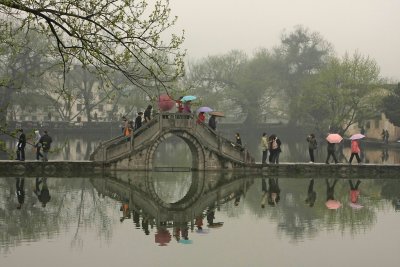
[373, 128]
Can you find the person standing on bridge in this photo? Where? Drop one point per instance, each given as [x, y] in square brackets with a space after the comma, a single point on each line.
[147, 114]
[264, 147]
[212, 122]
[201, 118]
[45, 142]
[138, 120]
[186, 107]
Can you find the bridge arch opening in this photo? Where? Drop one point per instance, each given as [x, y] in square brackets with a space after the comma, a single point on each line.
[176, 149]
[173, 152]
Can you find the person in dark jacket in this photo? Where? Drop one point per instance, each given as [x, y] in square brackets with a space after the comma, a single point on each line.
[238, 139]
[147, 114]
[21, 145]
[312, 145]
[274, 149]
[212, 122]
[138, 120]
[20, 192]
[331, 152]
[45, 142]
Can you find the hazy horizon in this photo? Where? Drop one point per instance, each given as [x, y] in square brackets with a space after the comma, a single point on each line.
[216, 27]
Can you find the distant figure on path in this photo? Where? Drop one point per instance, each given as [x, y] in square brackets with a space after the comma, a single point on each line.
[21, 145]
[264, 147]
[238, 139]
[38, 145]
[355, 150]
[312, 145]
[331, 152]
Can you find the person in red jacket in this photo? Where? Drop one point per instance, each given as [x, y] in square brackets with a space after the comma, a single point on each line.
[201, 118]
[355, 150]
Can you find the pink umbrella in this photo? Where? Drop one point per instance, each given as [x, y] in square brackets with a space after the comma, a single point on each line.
[357, 136]
[334, 138]
[333, 204]
[165, 102]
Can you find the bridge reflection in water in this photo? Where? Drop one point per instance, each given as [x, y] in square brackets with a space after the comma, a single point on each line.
[140, 197]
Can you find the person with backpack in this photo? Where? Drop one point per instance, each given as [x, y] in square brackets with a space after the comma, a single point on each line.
[312, 145]
[45, 141]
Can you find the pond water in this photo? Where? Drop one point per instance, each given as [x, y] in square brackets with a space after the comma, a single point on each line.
[198, 219]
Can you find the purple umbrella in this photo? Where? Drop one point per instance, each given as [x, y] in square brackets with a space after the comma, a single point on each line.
[204, 109]
[357, 136]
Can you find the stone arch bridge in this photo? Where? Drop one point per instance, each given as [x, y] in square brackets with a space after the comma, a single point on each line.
[210, 151]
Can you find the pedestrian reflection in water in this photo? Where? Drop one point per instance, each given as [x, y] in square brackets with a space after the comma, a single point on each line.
[136, 218]
[20, 192]
[311, 194]
[145, 225]
[42, 192]
[264, 191]
[125, 210]
[354, 194]
[211, 217]
[385, 155]
[273, 192]
[331, 203]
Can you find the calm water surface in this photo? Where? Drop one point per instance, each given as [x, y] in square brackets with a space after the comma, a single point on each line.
[196, 219]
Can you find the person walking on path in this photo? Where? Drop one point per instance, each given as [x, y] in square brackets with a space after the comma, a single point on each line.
[38, 145]
[45, 142]
[147, 114]
[138, 120]
[275, 149]
[312, 145]
[212, 122]
[264, 147]
[21, 145]
[355, 151]
[238, 139]
[331, 152]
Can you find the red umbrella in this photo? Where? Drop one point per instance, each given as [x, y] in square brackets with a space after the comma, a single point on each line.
[334, 138]
[333, 204]
[162, 237]
[165, 102]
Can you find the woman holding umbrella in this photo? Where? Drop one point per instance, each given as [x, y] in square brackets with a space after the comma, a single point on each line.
[355, 147]
[332, 139]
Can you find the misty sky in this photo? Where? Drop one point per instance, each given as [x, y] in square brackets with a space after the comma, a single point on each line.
[218, 26]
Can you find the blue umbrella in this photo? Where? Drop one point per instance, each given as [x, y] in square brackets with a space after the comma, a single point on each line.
[185, 241]
[204, 109]
[188, 98]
